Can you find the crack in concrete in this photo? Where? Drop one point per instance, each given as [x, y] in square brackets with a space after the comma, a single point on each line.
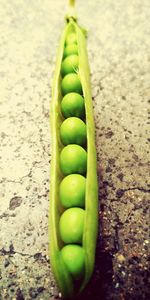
[11, 252]
[29, 174]
[138, 188]
[5, 215]
[17, 181]
[120, 192]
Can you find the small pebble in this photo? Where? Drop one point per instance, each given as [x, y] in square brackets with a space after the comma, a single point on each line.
[120, 258]
[123, 273]
[146, 242]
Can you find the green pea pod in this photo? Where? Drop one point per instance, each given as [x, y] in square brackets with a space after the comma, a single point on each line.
[64, 279]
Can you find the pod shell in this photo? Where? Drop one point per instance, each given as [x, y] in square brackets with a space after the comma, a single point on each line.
[63, 277]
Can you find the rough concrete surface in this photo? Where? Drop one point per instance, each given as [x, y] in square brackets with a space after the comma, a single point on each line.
[118, 47]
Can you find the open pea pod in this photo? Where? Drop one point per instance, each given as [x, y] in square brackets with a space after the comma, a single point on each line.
[66, 283]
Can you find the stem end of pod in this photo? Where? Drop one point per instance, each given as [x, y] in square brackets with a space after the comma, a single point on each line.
[71, 12]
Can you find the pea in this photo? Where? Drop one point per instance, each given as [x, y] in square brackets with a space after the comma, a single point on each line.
[71, 225]
[70, 65]
[71, 83]
[70, 49]
[71, 38]
[72, 105]
[73, 131]
[74, 258]
[73, 159]
[72, 191]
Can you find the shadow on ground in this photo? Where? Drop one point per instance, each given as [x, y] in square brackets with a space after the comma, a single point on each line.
[103, 272]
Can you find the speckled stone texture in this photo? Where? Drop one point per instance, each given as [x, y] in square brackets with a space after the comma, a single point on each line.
[118, 47]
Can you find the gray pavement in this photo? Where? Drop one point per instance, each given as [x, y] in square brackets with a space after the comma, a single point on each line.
[118, 47]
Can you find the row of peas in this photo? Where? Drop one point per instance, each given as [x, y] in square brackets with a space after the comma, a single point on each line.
[73, 161]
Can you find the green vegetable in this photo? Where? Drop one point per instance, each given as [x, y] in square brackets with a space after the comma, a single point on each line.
[71, 225]
[72, 191]
[72, 105]
[70, 49]
[74, 258]
[70, 65]
[73, 131]
[71, 38]
[73, 159]
[71, 83]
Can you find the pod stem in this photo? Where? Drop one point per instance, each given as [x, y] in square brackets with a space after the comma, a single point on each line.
[71, 11]
[72, 3]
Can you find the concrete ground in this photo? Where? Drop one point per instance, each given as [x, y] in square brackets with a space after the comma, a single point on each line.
[118, 47]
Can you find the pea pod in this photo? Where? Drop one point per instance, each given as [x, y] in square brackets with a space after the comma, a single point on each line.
[67, 284]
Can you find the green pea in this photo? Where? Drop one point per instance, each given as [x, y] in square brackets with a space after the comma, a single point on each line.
[74, 259]
[70, 49]
[72, 105]
[73, 159]
[71, 38]
[71, 225]
[73, 131]
[70, 65]
[72, 191]
[71, 83]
